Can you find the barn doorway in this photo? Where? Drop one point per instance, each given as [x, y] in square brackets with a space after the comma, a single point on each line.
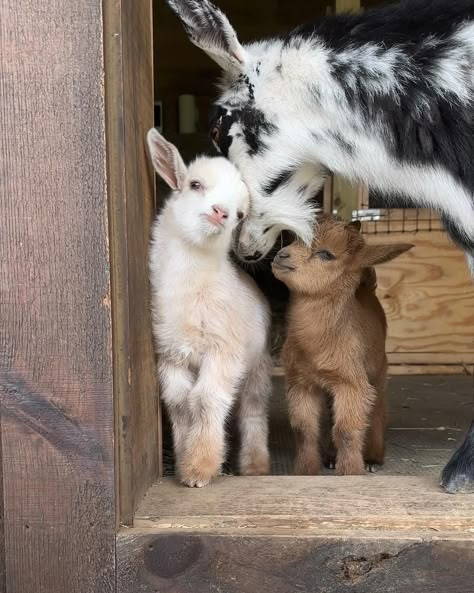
[427, 295]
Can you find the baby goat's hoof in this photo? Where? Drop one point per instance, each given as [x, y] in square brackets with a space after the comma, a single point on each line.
[198, 473]
[329, 460]
[458, 475]
[195, 483]
[372, 467]
[256, 463]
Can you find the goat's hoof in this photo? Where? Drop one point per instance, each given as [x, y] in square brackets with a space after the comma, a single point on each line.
[307, 467]
[198, 476]
[373, 467]
[330, 462]
[192, 483]
[257, 466]
[458, 475]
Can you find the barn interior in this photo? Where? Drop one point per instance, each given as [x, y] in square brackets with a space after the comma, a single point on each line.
[427, 294]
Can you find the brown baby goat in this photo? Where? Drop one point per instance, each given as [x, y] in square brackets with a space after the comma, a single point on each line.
[336, 344]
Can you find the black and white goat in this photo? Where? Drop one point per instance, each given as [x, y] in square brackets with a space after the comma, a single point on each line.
[385, 97]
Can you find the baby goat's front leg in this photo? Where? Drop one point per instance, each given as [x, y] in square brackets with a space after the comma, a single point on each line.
[176, 382]
[210, 401]
[352, 406]
[304, 407]
[253, 420]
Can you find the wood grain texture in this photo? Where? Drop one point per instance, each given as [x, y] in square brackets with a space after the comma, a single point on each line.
[428, 297]
[411, 368]
[55, 340]
[187, 563]
[3, 584]
[129, 102]
[315, 504]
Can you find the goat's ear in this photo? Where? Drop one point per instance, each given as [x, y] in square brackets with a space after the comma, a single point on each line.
[356, 224]
[166, 159]
[208, 28]
[379, 254]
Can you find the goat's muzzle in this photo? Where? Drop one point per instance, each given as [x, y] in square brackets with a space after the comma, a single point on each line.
[282, 260]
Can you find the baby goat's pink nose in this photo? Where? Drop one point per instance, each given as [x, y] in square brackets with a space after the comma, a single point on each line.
[220, 213]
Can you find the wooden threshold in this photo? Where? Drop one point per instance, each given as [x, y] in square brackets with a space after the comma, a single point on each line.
[412, 369]
[314, 505]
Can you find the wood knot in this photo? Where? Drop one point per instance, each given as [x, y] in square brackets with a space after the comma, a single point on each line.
[172, 555]
[354, 568]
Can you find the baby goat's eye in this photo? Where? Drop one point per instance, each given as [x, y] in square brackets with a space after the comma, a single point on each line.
[240, 215]
[195, 185]
[267, 229]
[325, 255]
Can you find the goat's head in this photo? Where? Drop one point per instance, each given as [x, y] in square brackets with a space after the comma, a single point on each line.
[334, 263]
[209, 197]
[253, 125]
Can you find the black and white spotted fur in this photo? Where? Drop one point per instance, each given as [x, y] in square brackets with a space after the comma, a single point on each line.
[385, 97]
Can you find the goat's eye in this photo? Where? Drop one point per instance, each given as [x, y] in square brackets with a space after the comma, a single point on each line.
[195, 185]
[240, 215]
[267, 229]
[325, 255]
[215, 133]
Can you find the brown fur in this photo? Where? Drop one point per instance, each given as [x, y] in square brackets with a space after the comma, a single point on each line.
[336, 345]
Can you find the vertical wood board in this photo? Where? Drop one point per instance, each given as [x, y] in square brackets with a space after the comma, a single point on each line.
[55, 333]
[129, 102]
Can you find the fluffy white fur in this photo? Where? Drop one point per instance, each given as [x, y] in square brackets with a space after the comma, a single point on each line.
[210, 321]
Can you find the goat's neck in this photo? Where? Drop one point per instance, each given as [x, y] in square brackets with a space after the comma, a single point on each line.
[328, 312]
[195, 266]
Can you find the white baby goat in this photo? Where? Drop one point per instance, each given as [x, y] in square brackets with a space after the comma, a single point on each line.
[210, 321]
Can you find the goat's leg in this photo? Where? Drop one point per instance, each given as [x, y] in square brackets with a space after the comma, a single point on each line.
[327, 443]
[176, 382]
[352, 407]
[304, 407]
[210, 399]
[458, 475]
[253, 420]
[374, 451]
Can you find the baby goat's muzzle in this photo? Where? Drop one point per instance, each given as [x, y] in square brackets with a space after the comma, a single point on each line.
[282, 260]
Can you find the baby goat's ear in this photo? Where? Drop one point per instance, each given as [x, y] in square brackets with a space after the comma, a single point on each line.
[166, 159]
[379, 254]
[208, 28]
[356, 224]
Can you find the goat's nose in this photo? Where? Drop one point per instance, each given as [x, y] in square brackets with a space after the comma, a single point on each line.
[221, 213]
[283, 254]
[257, 255]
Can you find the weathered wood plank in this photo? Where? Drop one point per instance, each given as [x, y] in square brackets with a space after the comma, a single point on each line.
[3, 585]
[129, 102]
[187, 563]
[55, 344]
[430, 369]
[313, 504]
[414, 368]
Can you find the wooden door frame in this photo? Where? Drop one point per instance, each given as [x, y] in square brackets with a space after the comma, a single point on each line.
[77, 379]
